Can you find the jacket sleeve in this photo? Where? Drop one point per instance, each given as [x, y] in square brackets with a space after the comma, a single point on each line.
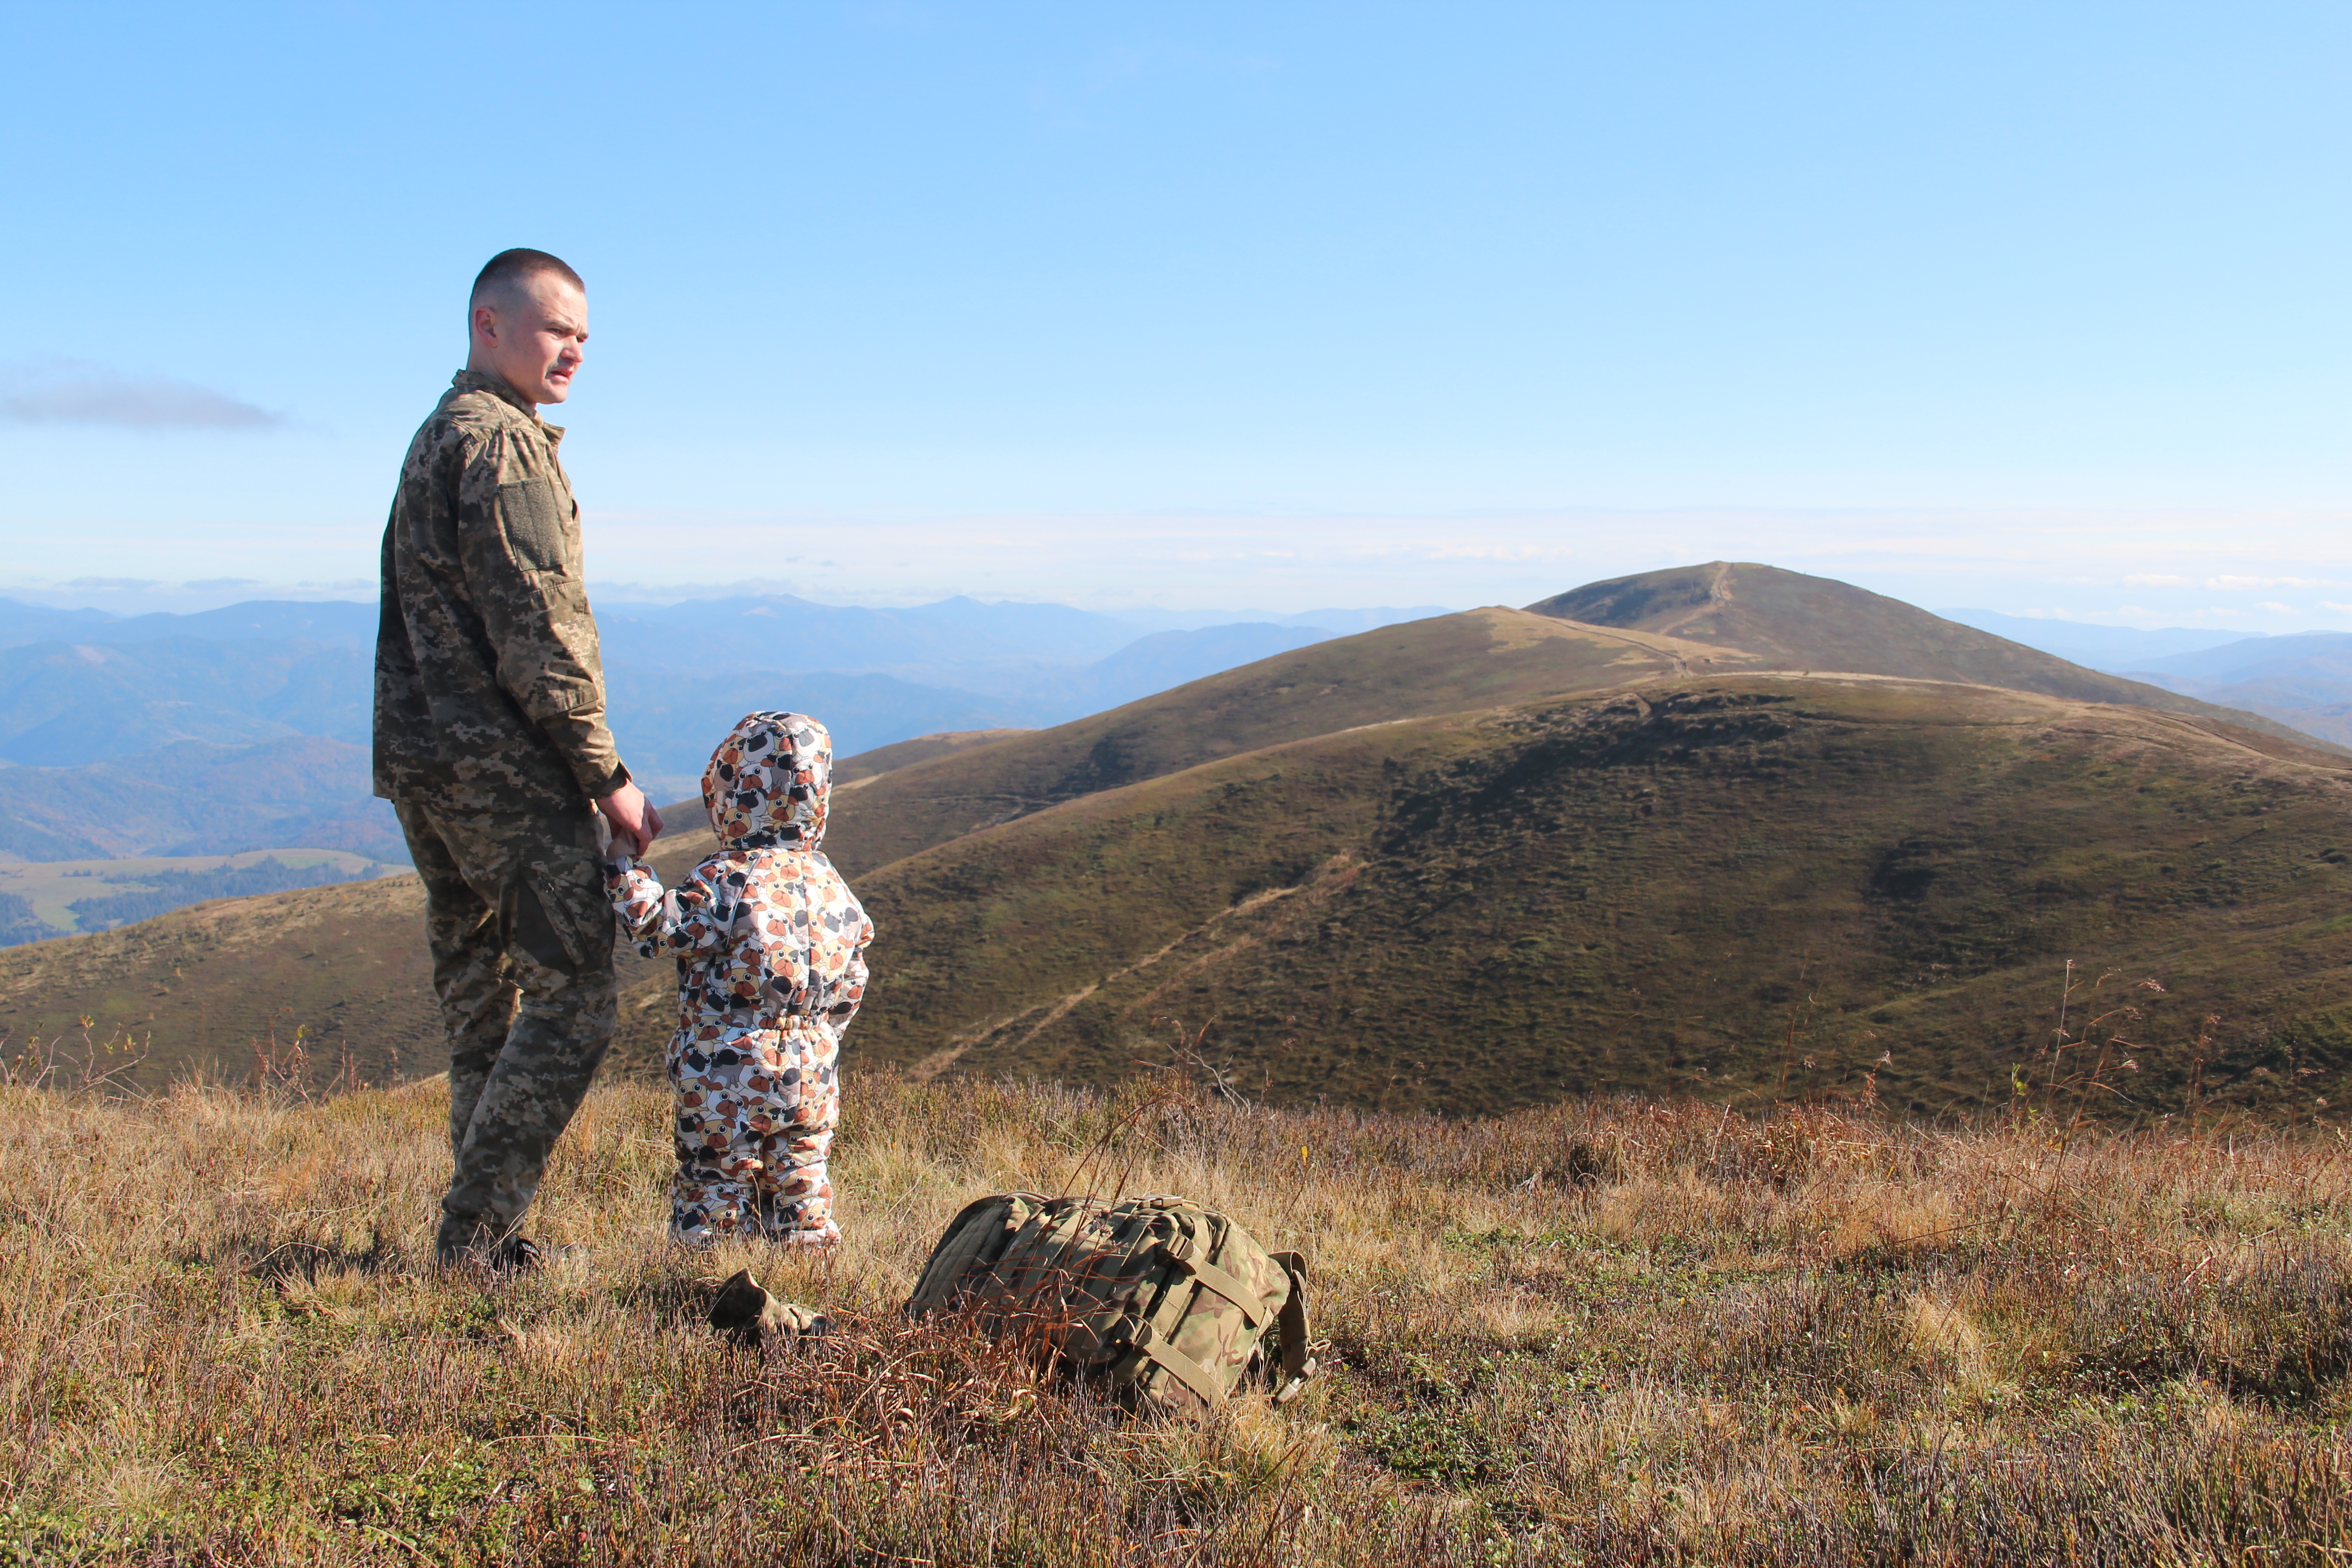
[522, 558]
[842, 998]
[658, 919]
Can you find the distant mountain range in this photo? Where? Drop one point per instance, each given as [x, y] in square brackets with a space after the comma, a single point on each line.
[2099, 647]
[187, 797]
[263, 710]
[1726, 831]
[2303, 680]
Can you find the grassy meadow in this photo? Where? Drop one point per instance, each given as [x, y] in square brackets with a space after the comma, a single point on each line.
[1604, 1331]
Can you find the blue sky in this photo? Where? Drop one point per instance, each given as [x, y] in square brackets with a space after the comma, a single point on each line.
[2039, 308]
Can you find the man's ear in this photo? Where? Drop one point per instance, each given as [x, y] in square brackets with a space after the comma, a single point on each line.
[486, 324]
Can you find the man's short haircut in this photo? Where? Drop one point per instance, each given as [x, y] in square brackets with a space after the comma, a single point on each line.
[513, 269]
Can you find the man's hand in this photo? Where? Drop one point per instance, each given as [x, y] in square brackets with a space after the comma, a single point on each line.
[635, 822]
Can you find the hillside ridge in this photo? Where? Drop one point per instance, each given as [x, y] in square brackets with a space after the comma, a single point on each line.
[1789, 620]
[1276, 849]
[1446, 663]
[2001, 838]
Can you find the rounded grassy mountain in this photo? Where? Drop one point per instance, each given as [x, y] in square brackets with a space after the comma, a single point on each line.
[1742, 885]
[1442, 665]
[1778, 619]
[1622, 839]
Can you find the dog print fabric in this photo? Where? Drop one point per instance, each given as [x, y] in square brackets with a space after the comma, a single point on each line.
[770, 944]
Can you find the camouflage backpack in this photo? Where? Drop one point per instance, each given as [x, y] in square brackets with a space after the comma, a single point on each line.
[1174, 1306]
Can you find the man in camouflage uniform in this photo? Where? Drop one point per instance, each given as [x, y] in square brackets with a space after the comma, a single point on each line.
[490, 742]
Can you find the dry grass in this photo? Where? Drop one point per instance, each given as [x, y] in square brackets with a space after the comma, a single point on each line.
[1604, 1332]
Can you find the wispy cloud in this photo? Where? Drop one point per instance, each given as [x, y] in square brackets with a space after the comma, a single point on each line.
[69, 393]
[2155, 580]
[2265, 582]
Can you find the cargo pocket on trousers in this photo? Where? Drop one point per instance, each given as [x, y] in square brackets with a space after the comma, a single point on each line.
[540, 927]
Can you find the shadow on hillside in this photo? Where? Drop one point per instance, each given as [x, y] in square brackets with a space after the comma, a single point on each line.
[279, 1258]
[684, 1297]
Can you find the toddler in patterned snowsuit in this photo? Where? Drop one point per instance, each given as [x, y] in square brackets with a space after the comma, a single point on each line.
[770, 948]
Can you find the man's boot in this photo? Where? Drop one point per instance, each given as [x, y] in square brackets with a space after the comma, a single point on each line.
[460, 1242]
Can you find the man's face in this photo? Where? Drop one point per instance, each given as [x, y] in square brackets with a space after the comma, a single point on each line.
[534, 337]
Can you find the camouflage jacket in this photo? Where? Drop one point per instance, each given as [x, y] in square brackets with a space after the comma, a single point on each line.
[490, 688]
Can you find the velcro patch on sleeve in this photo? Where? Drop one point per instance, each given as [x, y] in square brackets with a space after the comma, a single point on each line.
[532, 514]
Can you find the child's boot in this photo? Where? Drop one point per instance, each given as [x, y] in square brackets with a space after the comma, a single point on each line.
[752, 1317]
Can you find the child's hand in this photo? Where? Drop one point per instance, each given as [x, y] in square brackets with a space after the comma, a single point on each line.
[633, 818]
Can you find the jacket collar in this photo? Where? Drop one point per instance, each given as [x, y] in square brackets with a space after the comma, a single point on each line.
[479, 381]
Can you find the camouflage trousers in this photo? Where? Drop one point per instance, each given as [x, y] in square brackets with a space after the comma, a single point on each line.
[522, 966]
[756, 1113]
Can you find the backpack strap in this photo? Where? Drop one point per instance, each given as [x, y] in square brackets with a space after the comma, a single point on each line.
[1178, 1365]
[968, 1251]
[1297, 1367]
[1178, 1250]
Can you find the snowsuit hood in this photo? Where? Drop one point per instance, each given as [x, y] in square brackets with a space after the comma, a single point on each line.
[769, 782]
